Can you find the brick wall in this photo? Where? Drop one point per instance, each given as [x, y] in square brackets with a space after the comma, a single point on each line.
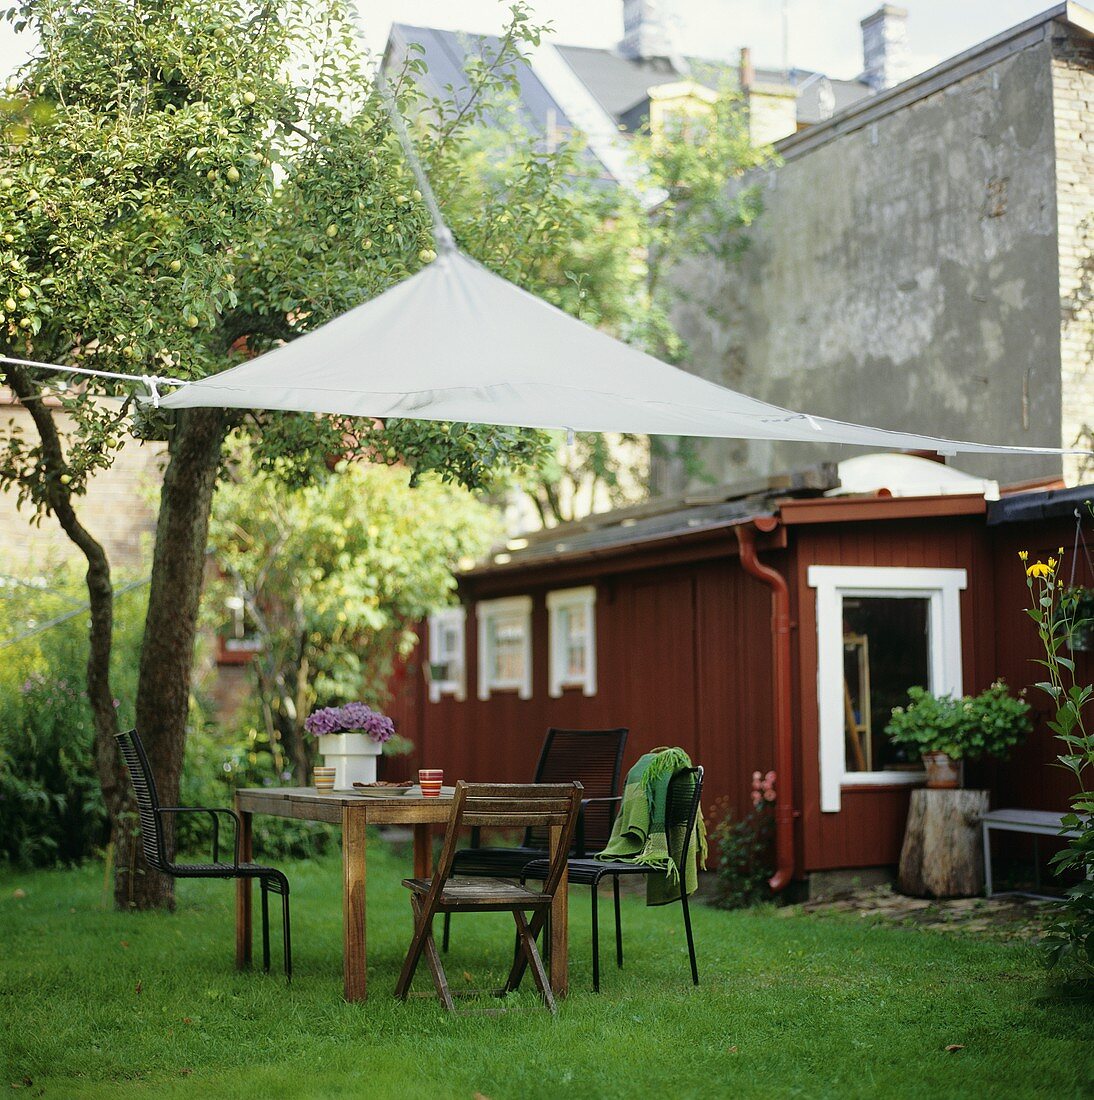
[1073, 108]
[119, 510]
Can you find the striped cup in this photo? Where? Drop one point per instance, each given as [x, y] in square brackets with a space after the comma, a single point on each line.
[324, 778]
[430, 780]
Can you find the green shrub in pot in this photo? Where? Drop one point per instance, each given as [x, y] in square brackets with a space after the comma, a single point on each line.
[988, 724]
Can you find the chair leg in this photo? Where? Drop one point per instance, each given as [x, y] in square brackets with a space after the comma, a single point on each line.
[687, 929]
[618, 924]
[444, 936]
[265, 925]
[535, 963]
[595, 892]
[422, 933]
[286, 936]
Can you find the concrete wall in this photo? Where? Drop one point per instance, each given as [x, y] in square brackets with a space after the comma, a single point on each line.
[903, 274]
[118, 510]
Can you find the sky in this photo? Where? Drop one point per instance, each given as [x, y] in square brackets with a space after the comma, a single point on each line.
[823, 34]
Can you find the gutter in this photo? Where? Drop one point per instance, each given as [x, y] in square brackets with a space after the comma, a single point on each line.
[784, 732]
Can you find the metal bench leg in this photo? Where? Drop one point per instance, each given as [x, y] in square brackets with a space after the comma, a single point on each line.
[618, 924]
[286, 936]
[687, 929]
[987, 860]
[595, 892]
[265, 925]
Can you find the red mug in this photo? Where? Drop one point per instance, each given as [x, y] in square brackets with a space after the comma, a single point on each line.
[430, 780]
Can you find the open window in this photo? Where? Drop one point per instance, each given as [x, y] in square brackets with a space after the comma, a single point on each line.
[447, 669]
[572, 633]
[880, 631]
[505, 646]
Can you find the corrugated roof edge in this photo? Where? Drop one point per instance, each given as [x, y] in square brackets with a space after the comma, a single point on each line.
[1027, 507]
[861, 114]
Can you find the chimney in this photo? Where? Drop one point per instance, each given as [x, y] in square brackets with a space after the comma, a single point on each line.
[885, 47]
[748, 73]
[649, 32]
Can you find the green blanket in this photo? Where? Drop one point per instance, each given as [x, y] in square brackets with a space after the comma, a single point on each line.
[639, 834]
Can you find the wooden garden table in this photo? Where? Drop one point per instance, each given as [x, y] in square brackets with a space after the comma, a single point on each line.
[354, 813]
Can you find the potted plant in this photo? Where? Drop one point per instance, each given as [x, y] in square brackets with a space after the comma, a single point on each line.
[946, 731]
[350, 738]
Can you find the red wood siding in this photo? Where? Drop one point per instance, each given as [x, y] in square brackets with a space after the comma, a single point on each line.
[683, 658]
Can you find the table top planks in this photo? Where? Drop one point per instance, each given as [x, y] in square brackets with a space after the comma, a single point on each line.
[309, 804]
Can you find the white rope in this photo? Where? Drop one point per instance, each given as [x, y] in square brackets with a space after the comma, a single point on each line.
[152, 381]
[442, 235]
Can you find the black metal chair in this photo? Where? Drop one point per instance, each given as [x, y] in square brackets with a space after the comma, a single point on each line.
[685, 790]
[155, 845]
[593, 758]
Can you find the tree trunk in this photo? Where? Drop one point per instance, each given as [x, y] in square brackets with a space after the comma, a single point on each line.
[167, 654]
[117, 793]
[943, 854]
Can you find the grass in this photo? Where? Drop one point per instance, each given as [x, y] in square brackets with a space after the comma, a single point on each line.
[96, 1003]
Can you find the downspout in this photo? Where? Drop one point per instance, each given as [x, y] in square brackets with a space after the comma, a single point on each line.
[784, 731]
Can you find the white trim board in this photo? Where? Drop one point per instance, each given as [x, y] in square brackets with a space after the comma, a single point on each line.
[942, 587]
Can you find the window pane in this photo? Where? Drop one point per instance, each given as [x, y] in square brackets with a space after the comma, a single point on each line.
[885, 652]
[572, 627]
[508, 651]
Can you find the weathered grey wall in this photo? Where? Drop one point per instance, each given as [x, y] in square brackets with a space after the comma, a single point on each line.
[905, 275]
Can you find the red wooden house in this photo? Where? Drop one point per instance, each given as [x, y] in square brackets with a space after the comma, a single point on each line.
[765, 626]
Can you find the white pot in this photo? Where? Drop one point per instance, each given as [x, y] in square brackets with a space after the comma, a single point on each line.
[352, 755]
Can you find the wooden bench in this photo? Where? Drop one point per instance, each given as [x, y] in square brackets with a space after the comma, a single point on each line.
[1036, 822]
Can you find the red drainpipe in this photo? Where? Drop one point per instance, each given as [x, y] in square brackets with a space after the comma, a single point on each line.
[784, 732]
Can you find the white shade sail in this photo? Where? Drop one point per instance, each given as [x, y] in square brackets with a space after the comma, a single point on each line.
[457, 343]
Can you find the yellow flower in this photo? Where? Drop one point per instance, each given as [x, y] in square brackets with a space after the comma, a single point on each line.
[1052, 563]
[1023, 555]
[1039, 569]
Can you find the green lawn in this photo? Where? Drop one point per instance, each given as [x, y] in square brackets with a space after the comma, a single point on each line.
[93, 1003]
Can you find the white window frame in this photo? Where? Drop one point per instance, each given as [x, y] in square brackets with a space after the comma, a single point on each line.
[942, 587]
[488, 613]
[564, 600]
[456, 686]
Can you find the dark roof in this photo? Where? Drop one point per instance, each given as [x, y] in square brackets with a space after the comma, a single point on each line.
[1051, 504]
[660, 519]
[446, 54]
[619, 84]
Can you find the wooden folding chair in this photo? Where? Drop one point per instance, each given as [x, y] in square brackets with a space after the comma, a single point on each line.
[550, 806]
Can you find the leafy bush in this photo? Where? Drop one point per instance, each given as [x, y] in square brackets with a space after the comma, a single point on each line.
[51, 808]
[743, 848]
[988, 724]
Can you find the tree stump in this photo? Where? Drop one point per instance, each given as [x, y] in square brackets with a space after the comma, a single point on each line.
[943, 853]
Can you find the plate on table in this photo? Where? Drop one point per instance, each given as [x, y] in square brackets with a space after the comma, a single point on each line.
[395, 792]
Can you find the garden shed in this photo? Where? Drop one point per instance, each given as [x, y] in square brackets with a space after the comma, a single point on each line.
[768, 625]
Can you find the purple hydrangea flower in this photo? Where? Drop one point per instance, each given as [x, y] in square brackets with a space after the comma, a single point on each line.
[351, 717]
[326, 720]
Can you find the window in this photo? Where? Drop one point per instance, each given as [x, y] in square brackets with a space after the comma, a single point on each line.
[447, 674]
[572, 631]
[505, 646]
[880, 631]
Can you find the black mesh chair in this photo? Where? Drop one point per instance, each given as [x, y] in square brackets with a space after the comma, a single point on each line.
[155, 845]
[685, 790]
[593, 758]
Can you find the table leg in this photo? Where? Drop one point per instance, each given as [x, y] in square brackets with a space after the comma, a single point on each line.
[560, 916]
[243, 893]
[354, 968]
[423, 851]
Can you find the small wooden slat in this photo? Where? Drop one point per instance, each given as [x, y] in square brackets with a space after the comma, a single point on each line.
[244, 929]
[512, 820]
[354, 972]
